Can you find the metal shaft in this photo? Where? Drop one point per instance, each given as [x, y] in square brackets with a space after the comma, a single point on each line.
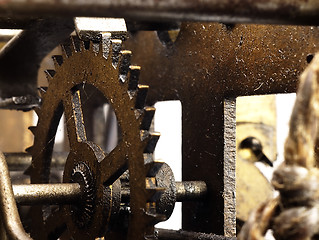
[8, 207]
[31, 194]
[190, 190]
[264, 11]
[185, 191]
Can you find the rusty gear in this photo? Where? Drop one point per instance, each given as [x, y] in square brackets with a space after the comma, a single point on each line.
[103, 65]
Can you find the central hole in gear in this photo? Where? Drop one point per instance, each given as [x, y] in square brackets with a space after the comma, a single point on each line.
[100, 121]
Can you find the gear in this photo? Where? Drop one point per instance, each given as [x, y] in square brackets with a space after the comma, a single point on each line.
[103, 65]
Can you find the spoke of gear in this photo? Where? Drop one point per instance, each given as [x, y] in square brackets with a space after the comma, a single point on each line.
[106, 67]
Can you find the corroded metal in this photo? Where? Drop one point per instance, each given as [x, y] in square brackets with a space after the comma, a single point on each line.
[265, 11]
[222, 62]
[104, 66]
[32, 194]
[10, 216]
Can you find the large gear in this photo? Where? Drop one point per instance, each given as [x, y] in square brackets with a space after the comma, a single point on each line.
[102, 65]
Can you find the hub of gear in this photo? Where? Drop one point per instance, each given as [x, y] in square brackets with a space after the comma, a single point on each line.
[106, 67]
[83, 211]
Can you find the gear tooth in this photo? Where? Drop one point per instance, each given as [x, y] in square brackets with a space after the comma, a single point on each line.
[32, 129]
[105, 44]
[42, 91]
[76, 43]
[151, 143]
[153, 194]
[49, 74]
[85, 45]
[147, 118]
[29, 149]
[153, 167]
[116, 49]
[66, 48]
[58, 60]
[125, 61]
[141, 96]
[134, 74]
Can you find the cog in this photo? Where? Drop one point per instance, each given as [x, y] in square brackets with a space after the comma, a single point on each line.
[105, 66]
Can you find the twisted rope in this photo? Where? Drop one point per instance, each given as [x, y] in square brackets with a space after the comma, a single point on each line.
[294, 215]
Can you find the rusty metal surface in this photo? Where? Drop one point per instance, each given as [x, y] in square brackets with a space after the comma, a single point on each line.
[9, 212]
[102, 65]
[206, 64]
[265, 11]
[20, 58]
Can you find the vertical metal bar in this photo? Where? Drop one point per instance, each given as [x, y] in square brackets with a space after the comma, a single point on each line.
[230, 167]
[8, 207]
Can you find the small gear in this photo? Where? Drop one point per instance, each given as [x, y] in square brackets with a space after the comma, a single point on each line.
[83, 211]
[106, 67]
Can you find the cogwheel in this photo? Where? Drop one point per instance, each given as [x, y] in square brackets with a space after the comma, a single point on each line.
[106, 67]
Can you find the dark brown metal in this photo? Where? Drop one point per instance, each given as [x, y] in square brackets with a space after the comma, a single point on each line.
[264, 11]
[165, 234]
[100, 65]
[21, 161]
[208, 63]
[21, 57]
[9, 212]
[33, 194]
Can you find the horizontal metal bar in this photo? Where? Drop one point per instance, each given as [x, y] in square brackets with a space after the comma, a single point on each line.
[21, 161]
[61, 193]
[228, 11]
[185, 191]
[165, 234]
